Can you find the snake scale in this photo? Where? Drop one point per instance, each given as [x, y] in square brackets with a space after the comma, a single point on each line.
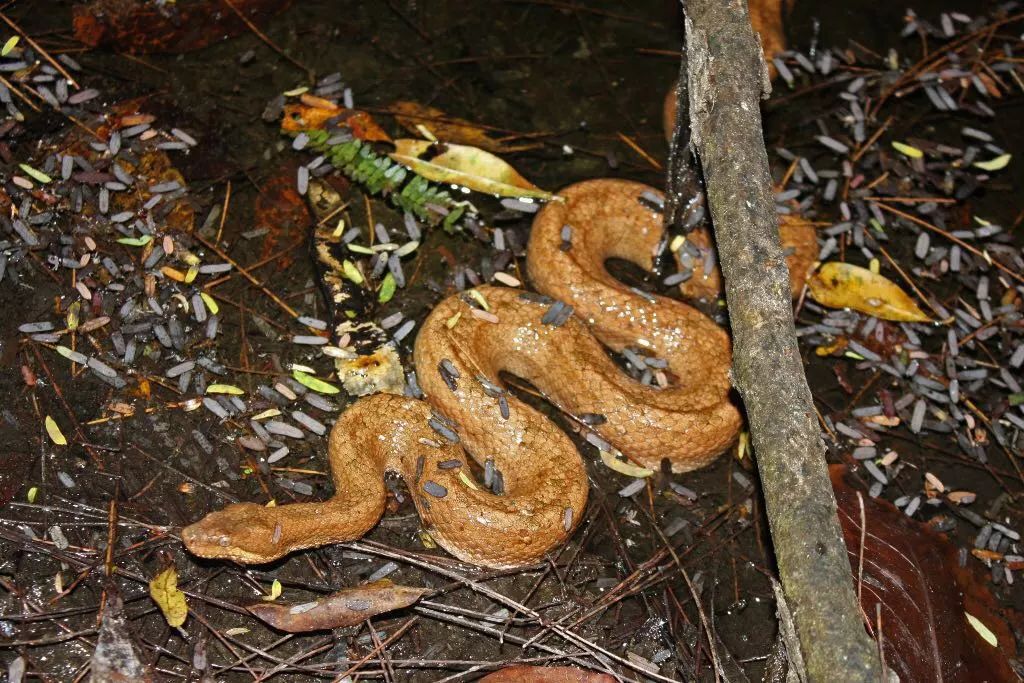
[558, 341]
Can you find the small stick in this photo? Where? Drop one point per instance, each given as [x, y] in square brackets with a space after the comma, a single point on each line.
[952, 238]
[273, 46]
[248, 276]
[28, 39]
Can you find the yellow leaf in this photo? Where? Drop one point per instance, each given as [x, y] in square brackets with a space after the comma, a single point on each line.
[275, 591]
[74, 315]
[982, 630]
[171, 601]
[54, 431]
[743, 446]
[269, 412]
[136, 241]
[8, 46]
[464, 478]
[224, 389]
[479, 298]
[427, 540]
[314, 383]
[623, 467]
[466, 166]
[996, 164]
[32, 493]
[210, 302]
[843, 285]
[912, 152]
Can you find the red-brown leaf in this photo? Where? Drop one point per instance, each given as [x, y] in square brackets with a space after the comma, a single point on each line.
[545, 674]
[913, 573]
[143, 26]
[282, 211]
[347, 607]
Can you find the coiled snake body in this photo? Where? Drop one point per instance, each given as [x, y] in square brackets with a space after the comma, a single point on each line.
[459, 355]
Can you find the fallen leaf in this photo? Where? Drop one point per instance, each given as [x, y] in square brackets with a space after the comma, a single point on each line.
[466, 166]
[171, 601]
[210, 302]
[299, 117]
[545, 674]
[282, 212]
[141, 26]
[412, 115]
[347, 607]
[54, 432]
[387, 289]
[927, 599]
[844, 285]
[996, 164]
[136, 241]
[903, 148]
[43, 178]
[225, 389]
[623, 467]
[275, 591]
[311, 382]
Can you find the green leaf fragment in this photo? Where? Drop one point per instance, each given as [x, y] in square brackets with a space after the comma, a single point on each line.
[39, 176]
[996, 164]
[11, 43]
[224, 389]
[387, 289]
[351, 272]
[136, 241]
[314, 383]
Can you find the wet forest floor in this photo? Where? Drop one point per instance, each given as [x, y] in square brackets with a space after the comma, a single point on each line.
[926, 415]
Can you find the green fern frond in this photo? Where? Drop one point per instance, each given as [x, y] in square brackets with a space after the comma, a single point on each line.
[380, 175]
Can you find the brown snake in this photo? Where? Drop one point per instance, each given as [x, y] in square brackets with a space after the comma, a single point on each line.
[689, 422]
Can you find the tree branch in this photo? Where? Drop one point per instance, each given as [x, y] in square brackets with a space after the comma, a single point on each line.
[726, 76]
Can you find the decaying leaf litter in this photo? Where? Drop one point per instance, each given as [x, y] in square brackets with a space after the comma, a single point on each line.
[953, 384]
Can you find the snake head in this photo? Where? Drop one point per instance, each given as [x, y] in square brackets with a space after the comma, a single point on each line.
[244, 532]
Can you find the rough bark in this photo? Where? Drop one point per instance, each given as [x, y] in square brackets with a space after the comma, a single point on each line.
[726, 78]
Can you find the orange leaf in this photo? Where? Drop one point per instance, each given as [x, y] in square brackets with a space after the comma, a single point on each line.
[299, 117]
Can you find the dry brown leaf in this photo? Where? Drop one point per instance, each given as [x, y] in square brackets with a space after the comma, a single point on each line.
[466, 166]
[844, 285]
[545, 674]
[345, 608]
[412, 115]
